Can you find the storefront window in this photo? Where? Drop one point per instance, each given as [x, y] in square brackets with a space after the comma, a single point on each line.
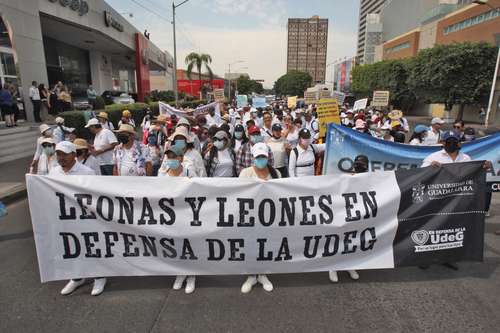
[4, 35]
[8, 64]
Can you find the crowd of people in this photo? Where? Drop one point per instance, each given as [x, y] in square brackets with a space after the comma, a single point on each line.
[55, 99]
[247, 142]
[8, 104]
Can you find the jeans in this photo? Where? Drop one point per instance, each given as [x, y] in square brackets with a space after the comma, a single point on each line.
[107, 170]
[36, 110]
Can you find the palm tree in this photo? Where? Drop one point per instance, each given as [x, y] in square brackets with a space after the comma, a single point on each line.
[195, 59]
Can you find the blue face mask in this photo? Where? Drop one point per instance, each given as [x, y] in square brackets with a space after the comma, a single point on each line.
[180, 144]
[172, 164]
[260, 162]
[238, 135]
[257, 138]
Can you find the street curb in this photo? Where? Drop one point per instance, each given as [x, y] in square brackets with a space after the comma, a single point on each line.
[12, 196]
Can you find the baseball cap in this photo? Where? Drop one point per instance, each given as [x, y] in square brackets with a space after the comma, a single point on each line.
[81, 144]
[260, 149]
[59, 120]
[421, 128]
[276, 127]
[253, 130]
[349, 111]
[437, 121]
[239, 128]
[43, 128]
[66, 147]
[47, 140]
[92, 122]
[450, 135]
[304, 133]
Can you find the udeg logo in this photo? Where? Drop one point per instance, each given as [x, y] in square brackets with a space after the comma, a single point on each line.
[438, 239]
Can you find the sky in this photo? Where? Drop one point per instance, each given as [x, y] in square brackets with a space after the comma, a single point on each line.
[251, 31]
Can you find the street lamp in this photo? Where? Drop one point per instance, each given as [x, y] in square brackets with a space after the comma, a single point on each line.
[493, 86]
[174, 6]
[234, 63]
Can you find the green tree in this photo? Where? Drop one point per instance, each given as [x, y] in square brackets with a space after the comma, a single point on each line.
[247, 86]
[293, 83]
[456, 74]
[391, 75]
[198, 60]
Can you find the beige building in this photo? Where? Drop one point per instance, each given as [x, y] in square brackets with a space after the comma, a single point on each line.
[307, 46]
[367, 7]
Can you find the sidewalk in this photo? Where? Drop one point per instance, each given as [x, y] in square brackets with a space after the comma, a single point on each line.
[12, 179]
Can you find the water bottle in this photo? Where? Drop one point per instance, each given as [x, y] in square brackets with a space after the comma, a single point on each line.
[3, 209]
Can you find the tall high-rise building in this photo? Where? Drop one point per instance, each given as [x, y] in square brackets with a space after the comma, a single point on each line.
[307, 45]
[367, 7]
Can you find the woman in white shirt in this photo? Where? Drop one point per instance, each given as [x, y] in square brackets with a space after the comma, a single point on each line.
[239, 138]
[303, 157]
[418, 137]
[261, 170]
[173, 167]
[279, 147]
[48, 159]
[291, 131]
[184, 141]
[220, 159]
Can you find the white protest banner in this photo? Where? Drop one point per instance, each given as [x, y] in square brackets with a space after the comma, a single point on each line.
[170, 110]
[219, 95]
[360, 104]
[380, 98]
[87, 226]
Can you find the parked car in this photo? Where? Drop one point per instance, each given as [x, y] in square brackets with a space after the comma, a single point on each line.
[117, 97]
[81, 103]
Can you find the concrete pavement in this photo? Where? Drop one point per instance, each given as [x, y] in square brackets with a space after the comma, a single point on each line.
[402, 300]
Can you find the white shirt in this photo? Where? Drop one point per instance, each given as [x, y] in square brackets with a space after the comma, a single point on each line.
[293, 137]
[93, 163]
[303, 165]
[187, 171]
[237, 145]
[250, 173]
[279, 152]
[225, 164]
[444, 158]
[108, 125]
[432, 138]
[416, 142]
[123, 158]
[34, 93]
[267, 133]
[193, 157]
[78, 169]
[313, 127]
[46, 163]
[215, 120]
[104, 138]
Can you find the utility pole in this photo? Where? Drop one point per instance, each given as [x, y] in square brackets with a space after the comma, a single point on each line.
[174, 6]
[234, 63]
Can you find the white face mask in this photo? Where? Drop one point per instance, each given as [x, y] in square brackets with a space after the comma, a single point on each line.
[219, 144]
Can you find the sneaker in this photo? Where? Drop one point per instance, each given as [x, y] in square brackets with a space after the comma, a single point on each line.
[333, 276]
[264, 281]
[71, 286]
[98, 288]
[179, 280]
[248, 285]
[354, 275]
[190, 284]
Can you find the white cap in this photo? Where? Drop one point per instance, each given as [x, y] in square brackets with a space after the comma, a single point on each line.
[260, 149]
[92, 122]
[43, 128]
[437, 121]
[59, 120]
[66, 147]
[343, 115]
[183, 121]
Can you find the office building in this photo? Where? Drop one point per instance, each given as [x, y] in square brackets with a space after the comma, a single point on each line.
[78, 42]
[366, 7]
[307, 46]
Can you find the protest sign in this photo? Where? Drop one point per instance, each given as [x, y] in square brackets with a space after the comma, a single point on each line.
[339, 96]
[241, 101]
[292, 101]
[344, 144]
[328, 112]
[219, 95]
[360, 104]
[323, 94]
[380, 98]
[86, 226]
[310, 97]
[259, 102]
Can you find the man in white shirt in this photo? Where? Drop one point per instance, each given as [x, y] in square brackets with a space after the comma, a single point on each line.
[266, 130]
[312, 125]
[434, 134]
[279, 147]
[104, 144]
[36, 101]
[303, 157]
[69, 166]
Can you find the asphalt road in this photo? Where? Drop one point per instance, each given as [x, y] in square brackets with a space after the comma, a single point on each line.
[402, 300]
